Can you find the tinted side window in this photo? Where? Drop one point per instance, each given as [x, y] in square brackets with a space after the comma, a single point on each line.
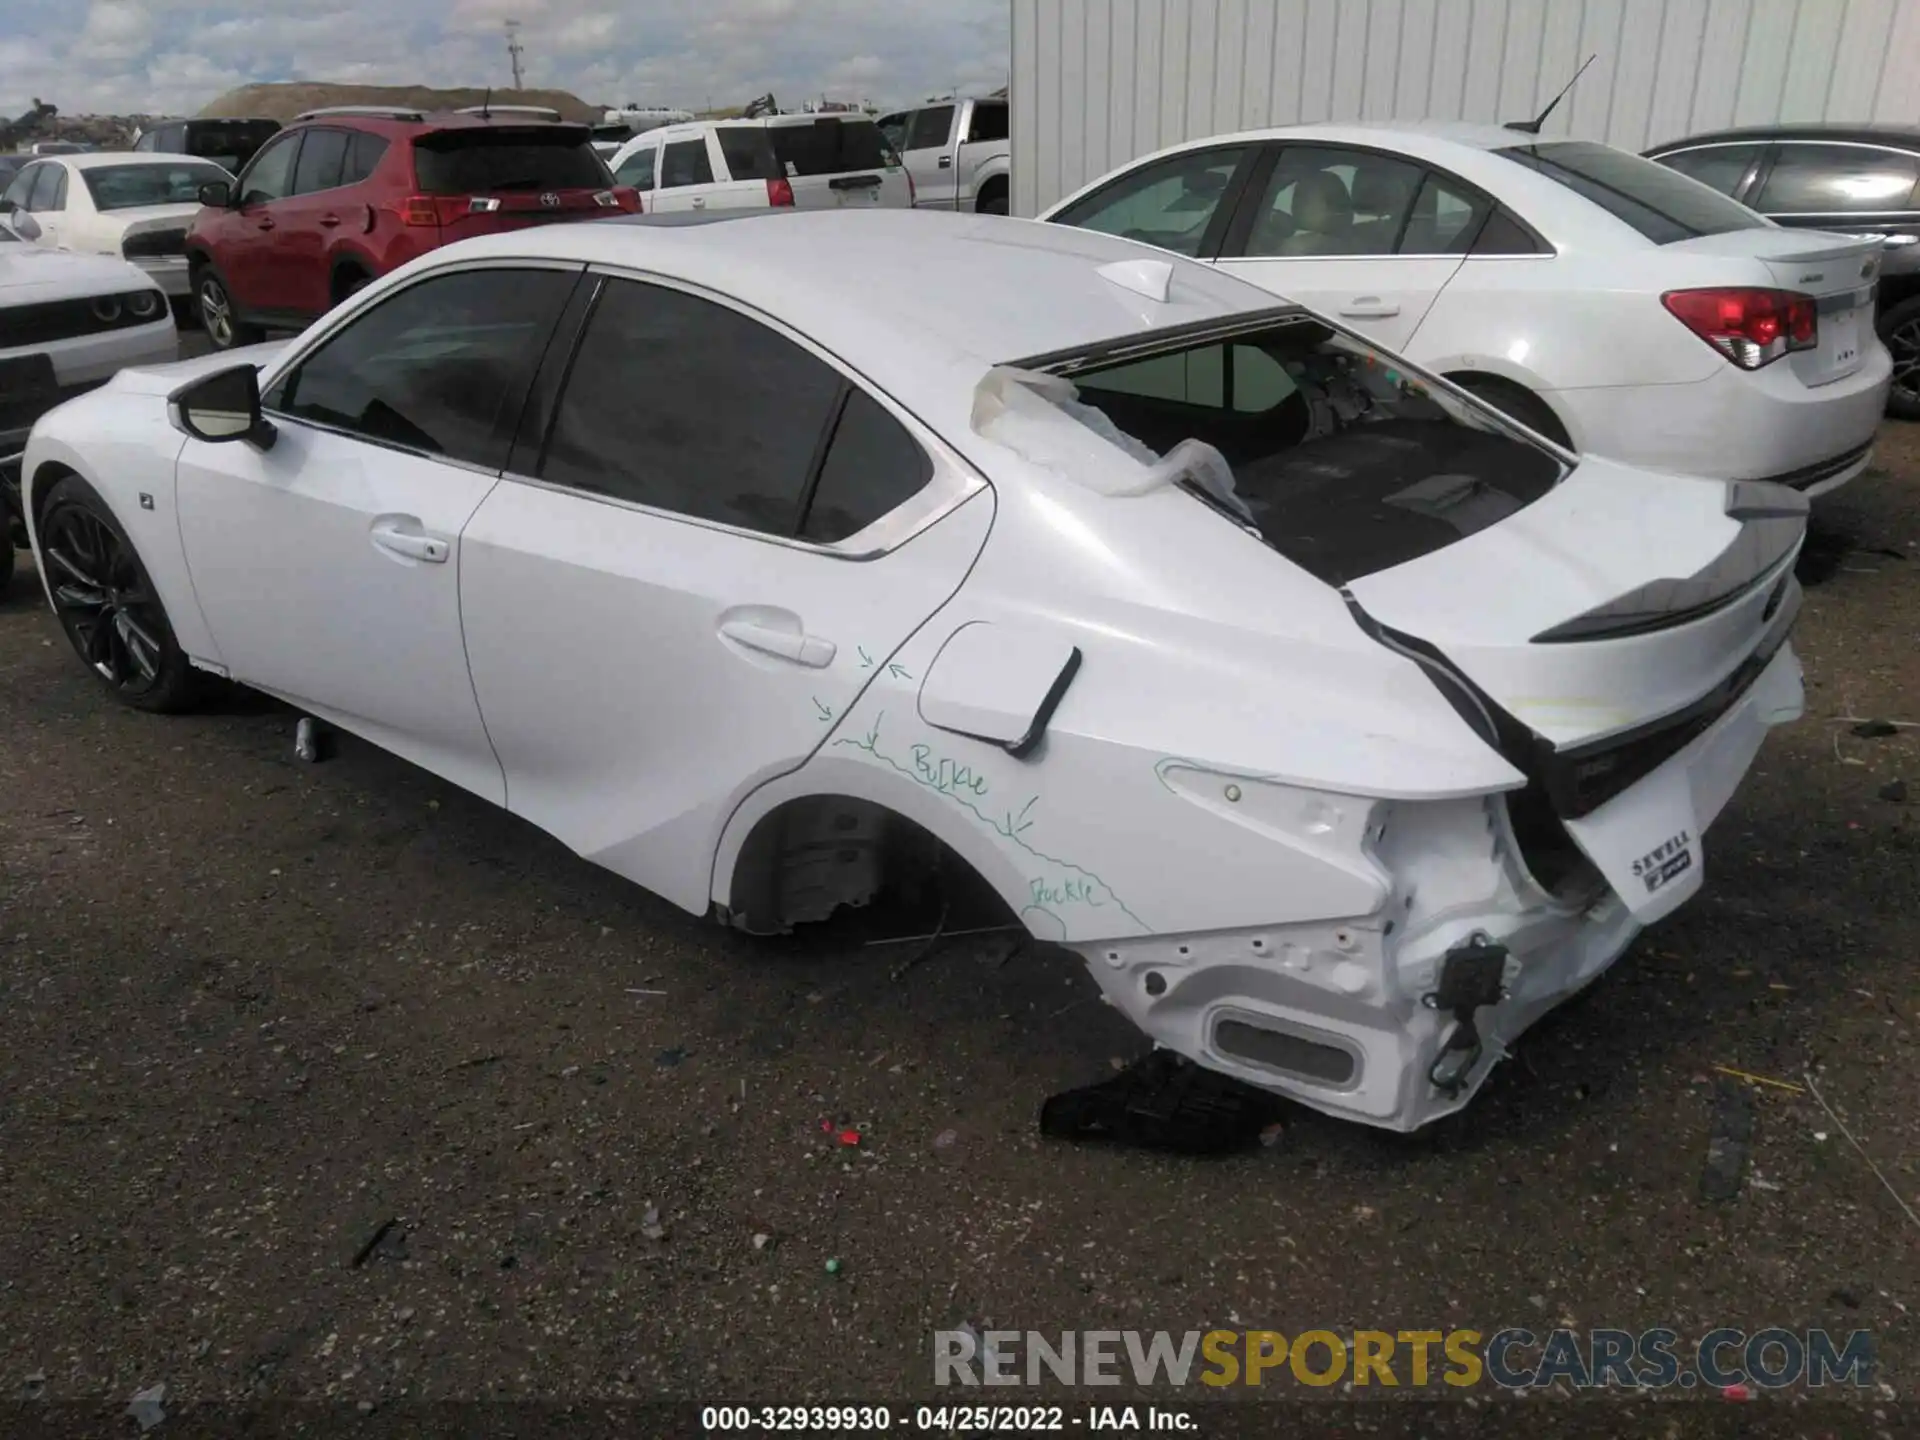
[1333, 202]
[872, 466]
[1721, 166]
[1661, 205]
[1443, 221]
[686, 163]
[320, 161]
[748, 152]
[684, 405]
[930, 128]
[989, 122]
[1828, 179]
[49, 188]
[441, 367]
[637, 169]
[363, 156]
[270, 177]
[1504, 235]
[1168, 204]
[894, 127]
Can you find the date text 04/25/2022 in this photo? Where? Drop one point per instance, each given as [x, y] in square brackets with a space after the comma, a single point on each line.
[943, 1419]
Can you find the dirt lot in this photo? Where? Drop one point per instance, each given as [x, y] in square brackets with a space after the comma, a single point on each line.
[257, 1010]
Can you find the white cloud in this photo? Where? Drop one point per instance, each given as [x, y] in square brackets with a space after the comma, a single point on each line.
[121, 56]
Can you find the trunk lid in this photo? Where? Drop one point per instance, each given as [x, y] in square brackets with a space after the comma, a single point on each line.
[1840, 272]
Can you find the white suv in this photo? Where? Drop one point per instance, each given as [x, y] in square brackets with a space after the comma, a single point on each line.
[811, 162]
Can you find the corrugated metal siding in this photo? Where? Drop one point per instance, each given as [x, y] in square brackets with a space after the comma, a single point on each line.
[1098, 82]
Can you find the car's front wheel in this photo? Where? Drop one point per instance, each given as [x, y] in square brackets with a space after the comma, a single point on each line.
[107, 603]
[1899, 328]
[218, 317]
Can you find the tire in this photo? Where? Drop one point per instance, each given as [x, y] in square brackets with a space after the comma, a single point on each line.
[1520, 404]
[214, 302]
[6, 546]
[993, 201]
[1899, 327]
[349, 283]
[107, 603]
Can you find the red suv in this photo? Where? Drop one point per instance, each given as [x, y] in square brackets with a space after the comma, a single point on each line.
[342, 196]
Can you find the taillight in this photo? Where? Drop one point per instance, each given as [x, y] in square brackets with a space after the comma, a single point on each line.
[779, 192]
[1751, 327]
[419, 210]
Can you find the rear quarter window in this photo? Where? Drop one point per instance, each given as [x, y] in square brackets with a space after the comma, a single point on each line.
[748, 152]
[1661, 204]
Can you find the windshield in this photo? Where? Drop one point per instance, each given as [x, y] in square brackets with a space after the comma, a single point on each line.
[1661, 203]
[1335, 453]
[831, 147]
[127, 187]
[477, 162]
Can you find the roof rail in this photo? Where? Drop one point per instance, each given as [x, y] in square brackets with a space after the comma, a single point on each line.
[377, 112]
[544, 112]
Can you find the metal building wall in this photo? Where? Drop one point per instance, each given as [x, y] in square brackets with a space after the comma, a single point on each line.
[1098, 82]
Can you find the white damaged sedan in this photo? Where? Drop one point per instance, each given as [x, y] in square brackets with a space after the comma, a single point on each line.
[1343, 728]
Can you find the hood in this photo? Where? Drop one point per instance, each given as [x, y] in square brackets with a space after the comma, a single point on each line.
[31, 274]
[165, 379]
[1619, 597]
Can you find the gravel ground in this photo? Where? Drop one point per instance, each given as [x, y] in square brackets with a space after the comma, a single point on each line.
[332, 1083]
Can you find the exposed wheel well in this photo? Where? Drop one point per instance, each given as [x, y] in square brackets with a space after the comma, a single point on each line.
[807, 858]
[993, 185]
[1524, 404]
[35, 487]
[346, 274]
[1896, 290]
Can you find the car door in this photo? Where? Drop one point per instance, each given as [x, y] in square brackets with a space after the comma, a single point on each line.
[690, 574]
[928, 155]
[308, 218]
[1853, 189]
[327, 565]
[257, 273]
[1366, 237]
[984, 143]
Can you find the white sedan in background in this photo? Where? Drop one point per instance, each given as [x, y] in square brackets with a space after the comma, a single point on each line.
[1611, 304]
[1230, 650]
[131, 205]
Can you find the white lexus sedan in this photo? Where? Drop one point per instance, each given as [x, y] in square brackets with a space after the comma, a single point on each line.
[1609, 303]
[132, 205]
[1233, 652]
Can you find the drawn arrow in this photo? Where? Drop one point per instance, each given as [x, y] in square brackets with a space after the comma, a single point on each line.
[898, 673]
[866, 660]
[825, 713]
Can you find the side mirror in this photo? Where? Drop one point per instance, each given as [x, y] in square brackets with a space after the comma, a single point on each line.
[223, 406]
[24, 225]
[217, 194]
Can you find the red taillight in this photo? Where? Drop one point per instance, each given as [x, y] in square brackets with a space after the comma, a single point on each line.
[779, 192]
[1751, 327]
[625, 198]
[419, 210]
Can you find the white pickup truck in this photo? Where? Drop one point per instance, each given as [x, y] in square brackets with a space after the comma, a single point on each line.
[957, 152]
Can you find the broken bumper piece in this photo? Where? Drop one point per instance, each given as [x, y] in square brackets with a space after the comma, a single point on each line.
[1395, 1018]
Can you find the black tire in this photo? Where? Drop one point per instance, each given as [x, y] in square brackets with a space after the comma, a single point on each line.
[6, 546]
[107, 603]
[1518, 403]
[349, 283]
[214, 303]
[1899, 327]
[993, 199]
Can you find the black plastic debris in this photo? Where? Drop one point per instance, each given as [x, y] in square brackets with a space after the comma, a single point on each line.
[1729, 1143]
[1163, 1102]
[1894, 790]
[1876, 729]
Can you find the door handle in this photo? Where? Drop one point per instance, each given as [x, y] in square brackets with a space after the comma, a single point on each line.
[699, 202]
[266, 222]
[946, 162]
[404, 537]
[808, 650]
[329, 220]
[1369, 307]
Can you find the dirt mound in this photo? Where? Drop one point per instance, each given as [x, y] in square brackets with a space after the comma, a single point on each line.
[284, 101]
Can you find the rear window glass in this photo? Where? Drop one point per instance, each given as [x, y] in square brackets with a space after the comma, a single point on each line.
[1342, 459]
[127, 187]
[748, 152]
[228, 143]
[1661, 204]
[831, 147]
[477, 162]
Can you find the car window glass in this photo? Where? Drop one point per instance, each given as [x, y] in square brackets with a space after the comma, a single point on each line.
[637, 169]
[173, 138]
[1504, 235]
[145, 142]
[829, 147]
[1829, 179]
[1721, 166]
[1168, 203]
[49, 189]
[1443, 219]
[989, 122]
[686, 163]
[21, 188]
[1662, 205]
[872, 466]
[1333, 202]
[270, 177]
[748, 152]
[645, 414]
[930, 128]
[894, 127]
[481, 162]
[363, 156]
[320, 162]
[1198, 378]
[164, 181]
[440, 367]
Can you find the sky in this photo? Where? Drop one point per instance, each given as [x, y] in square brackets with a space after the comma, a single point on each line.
[173, 56]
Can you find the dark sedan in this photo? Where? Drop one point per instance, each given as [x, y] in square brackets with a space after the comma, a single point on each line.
[1855, 179]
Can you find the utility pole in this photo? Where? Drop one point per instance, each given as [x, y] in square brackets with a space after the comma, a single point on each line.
[514, 50]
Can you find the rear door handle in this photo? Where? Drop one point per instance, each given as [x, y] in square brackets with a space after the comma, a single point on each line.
[329, 220]
[1369, 307]
[405, 537]
[808, 650]
[266, 222]
[946, 162]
